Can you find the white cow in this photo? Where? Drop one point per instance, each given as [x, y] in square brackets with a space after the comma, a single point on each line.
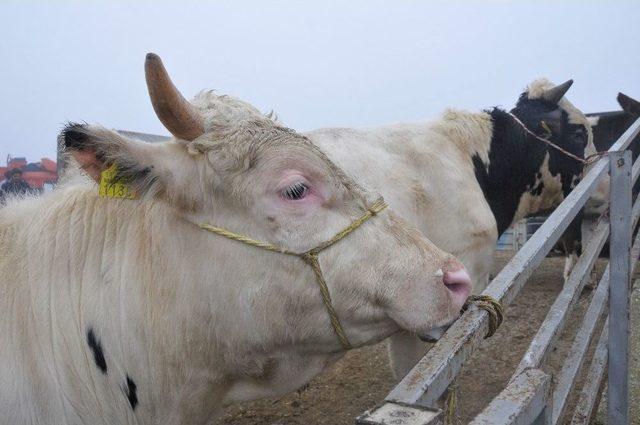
[125, 311]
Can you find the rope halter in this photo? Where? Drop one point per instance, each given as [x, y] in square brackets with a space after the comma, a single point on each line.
[311, 258]
[590, 159]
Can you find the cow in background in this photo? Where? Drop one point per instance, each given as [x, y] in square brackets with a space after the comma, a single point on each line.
[130, 312]
[607, 128]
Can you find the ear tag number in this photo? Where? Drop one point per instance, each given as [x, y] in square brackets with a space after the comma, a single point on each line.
[110, 188]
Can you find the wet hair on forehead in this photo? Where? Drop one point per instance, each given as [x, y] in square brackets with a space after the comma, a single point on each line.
[246, 140]
[238, 130]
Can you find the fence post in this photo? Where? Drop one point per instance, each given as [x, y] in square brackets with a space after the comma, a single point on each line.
[620, 279]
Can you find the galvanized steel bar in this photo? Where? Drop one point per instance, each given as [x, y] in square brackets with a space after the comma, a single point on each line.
[401, 414]
[592, 388]
[555, 320]
[620, 266]
[635, 171]
[524, 401]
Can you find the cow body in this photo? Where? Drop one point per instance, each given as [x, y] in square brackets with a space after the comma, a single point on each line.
[125, 311]
[118, 330]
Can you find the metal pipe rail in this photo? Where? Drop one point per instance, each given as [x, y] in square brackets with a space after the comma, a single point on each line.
[430, 378]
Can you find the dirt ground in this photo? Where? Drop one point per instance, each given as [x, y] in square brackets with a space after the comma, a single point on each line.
[362, 378]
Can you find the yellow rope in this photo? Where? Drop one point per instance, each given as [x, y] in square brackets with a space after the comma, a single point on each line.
[491, 306]
[311, 258]
[451, 405]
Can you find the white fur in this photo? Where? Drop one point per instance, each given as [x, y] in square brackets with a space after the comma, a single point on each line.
[196, 320]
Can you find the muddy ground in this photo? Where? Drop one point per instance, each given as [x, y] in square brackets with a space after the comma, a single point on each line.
[362, 378]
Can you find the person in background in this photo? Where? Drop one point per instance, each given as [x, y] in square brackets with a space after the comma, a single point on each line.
[14, 185]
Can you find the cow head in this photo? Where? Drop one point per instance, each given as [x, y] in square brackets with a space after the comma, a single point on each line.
[233, 167]
[607, 128]
[545, 111]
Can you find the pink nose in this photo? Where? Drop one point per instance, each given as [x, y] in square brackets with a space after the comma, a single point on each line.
[459, 285]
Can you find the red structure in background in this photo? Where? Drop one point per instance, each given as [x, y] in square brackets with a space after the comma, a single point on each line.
[34, 173]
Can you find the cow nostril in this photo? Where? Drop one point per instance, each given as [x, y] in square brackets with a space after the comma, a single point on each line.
[459, 285]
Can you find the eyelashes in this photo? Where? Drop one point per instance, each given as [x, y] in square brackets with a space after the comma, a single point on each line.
[296, 191]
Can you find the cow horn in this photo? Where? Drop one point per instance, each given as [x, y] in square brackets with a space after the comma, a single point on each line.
[173, 110]
[554, 94]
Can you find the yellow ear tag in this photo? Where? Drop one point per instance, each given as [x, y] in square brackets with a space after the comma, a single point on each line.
[109, 188]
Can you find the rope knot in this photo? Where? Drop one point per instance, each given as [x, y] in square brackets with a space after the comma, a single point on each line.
[377, 206]
[310, 257]
[491, 306]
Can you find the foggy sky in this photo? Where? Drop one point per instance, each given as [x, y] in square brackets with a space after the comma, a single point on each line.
[317, 64]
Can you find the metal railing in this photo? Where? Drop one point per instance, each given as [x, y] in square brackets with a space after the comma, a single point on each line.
[532, 396]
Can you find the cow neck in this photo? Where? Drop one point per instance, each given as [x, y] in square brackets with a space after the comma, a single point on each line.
[515, 161]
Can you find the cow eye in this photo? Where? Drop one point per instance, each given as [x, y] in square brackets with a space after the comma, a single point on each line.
[296, 191]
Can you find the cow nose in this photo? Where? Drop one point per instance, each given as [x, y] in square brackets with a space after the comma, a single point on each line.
[459, 285]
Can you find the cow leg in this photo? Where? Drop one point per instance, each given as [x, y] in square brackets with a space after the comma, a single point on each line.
[405, 350]
[588, 226]
[571, 240]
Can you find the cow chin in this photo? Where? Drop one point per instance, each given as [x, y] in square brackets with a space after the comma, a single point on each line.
[434, 334]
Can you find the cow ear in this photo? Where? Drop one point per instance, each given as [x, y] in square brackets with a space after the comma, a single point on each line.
[96, 148]
[83, 145]
[629, 104]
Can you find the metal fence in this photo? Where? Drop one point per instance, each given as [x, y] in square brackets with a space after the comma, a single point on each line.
[532, 396]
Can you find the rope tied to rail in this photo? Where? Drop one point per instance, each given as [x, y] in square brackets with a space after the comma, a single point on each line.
[491, 306]
[496, 316]
[588, 160]
[311, 258]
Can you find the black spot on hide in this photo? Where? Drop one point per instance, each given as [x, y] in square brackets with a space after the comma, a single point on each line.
[537, 190]
[96, 348]
[131, 392]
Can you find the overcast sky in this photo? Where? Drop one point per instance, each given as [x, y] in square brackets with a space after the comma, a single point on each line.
[316, 63]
